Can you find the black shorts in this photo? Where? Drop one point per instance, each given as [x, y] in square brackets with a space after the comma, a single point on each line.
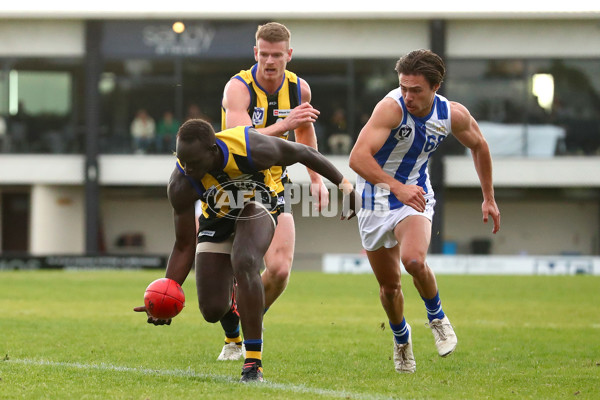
[217, 230]
[281, 197]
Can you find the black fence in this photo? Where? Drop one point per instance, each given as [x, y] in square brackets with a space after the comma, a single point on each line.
[83, 262]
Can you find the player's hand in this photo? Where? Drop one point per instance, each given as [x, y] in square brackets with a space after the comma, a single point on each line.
[151, 319]
[301, 115]
[411, 195]
[351, 202]
[490, 208]
[320, 195]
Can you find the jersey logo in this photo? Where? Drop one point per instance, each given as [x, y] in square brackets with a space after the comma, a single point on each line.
[435, 127]
[230, 197]
[403, 133]
[258, 116]
[281, 113]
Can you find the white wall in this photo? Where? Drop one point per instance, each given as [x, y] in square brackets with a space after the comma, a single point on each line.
[534, 225]
[42, 38]
[523, 38]
[132, 210]
[355, 38]
[57, 220]
[542, 225]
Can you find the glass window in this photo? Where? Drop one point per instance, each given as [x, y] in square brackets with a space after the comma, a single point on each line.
[134, 95]
[536, 108]
[38, 105]
[44, 92]
[570, 99]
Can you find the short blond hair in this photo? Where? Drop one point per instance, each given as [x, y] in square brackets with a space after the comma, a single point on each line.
[273, 32]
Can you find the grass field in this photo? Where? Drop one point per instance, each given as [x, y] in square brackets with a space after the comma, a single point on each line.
[73, 335]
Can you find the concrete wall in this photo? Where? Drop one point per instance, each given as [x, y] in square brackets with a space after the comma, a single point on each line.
[540, 225]
[358, 38]
[57, 220]
[42, 38]
[550, 217]
[133, 210]
[518, 38]
[355, 38]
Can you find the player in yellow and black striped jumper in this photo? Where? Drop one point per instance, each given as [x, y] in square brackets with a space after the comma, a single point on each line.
[229, 172]
[275, 101]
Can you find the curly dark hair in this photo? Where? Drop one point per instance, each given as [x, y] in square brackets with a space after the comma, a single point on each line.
[423, 62]
[196, 129]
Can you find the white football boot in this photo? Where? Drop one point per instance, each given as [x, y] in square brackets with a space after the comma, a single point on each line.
[404, 360]
[231, 352]
[443, 333]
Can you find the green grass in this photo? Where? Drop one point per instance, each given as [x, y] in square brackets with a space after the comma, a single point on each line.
[73, 335]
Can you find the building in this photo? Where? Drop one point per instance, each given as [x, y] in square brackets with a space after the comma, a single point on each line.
[72, 80]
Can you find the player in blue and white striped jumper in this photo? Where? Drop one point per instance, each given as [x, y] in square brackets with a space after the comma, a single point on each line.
[390, 157]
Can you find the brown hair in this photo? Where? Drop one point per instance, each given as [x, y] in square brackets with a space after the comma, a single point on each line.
[273, 32]
[423, 62]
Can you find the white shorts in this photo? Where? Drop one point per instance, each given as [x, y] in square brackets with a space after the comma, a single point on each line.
[376, 228]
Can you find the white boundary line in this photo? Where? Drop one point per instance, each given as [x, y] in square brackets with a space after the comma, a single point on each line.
[193, 374]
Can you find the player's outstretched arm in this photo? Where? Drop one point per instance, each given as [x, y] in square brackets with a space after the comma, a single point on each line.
[267, 151]
[181, 259]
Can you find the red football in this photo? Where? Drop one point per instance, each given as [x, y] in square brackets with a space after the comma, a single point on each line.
[164, 298]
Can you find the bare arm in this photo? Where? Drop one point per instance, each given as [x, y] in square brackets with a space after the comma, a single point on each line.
[182, 255]
[466, 130]
[236, 100]
[386, 116]
[267, 151]
[181, 259]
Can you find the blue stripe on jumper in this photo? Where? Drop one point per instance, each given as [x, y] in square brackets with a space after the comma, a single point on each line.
[381, 158]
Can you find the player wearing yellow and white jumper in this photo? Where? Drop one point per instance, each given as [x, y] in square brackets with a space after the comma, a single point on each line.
[233, 236]
[266, 109]
[274, 101]
[390, 157]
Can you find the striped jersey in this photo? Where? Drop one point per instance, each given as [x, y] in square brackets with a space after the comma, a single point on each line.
[224, 192]
[406, 152]
[266, 109]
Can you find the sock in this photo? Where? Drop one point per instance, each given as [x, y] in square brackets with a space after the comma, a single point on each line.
[233, 337]
[253, 351]
[434, 307]
[231, 325]
[400, 331]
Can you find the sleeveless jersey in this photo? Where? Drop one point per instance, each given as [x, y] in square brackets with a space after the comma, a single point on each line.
[266, 109]
[406, 152]
[224, 192]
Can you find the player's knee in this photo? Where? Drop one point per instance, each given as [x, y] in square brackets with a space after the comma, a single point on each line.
[212, 312]
[414, 265]
[390, 290]
[245, 263]
[279, 272]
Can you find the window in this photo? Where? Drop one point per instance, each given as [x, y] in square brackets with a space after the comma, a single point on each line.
[531, 107]
[39, 107]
